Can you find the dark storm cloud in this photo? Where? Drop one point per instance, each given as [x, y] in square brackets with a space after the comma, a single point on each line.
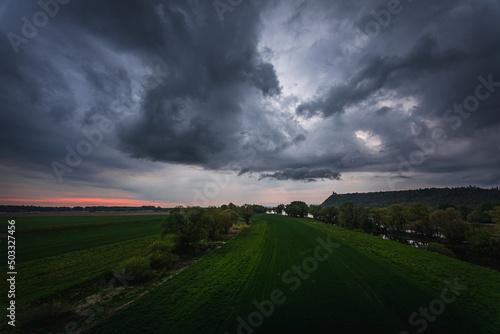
[434, 57]
[387, 72]
[303, 174]
[181, 86]
[193, 115]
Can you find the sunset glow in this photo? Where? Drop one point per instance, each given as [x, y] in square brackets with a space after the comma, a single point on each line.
[71, 202]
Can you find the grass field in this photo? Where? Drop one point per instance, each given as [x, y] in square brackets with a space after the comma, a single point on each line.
[68, 234]
[54, 254]
[50, 276]
[35, 222]
[365, 285]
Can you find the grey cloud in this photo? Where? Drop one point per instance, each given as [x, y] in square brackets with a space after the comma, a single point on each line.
[303, 174]
[220, 92]
[377, 73]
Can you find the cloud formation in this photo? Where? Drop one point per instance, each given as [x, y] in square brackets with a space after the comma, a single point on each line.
[285, 90]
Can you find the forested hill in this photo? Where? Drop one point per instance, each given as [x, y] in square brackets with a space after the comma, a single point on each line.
[432, 197]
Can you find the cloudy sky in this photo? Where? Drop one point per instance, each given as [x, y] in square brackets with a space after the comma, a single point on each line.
[198, 102]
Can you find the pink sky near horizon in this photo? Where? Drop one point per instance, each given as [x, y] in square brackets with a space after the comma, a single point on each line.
[261, 197]
[84, 202]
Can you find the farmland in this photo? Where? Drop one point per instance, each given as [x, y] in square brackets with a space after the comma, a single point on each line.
[44, 237]
[61, 253]
[52, 221]
[365, 284]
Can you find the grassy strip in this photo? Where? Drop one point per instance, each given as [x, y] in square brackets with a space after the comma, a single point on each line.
[349, 292]
[47, 277]
[482, 295]
[199, 299]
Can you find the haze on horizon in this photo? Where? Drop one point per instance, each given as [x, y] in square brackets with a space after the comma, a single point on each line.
[180, 102]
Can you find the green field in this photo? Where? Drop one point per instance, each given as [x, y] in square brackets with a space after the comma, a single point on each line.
[49, 276]
[54, 254]
[367, 284]
[30, 222]
[59, 235]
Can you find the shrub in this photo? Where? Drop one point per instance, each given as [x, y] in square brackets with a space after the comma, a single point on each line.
[209, 245]
[161, 260]
[159, 246]
[240, 227]
[138, 267]
[439, 248]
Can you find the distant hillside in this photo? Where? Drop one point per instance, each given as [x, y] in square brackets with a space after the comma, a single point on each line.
[432, 197]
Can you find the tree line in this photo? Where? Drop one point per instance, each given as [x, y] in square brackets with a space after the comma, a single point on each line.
[449, 225]
[194, 229]
[192, 224]
[432, 197]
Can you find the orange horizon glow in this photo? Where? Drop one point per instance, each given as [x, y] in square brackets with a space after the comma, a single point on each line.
[72, 202]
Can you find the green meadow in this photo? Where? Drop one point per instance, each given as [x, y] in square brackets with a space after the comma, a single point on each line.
[41, 237]
[54, 254]
[286, 275]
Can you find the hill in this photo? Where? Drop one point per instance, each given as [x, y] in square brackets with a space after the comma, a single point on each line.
[432, 197]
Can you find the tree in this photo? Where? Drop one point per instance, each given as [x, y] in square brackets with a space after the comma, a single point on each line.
[464, 211]
[177, 209]
[495, 215]
[397, 218]
[481, 239]
[330, 215]
[297, 209]
[477, 216]
[418, 217]
[215, 223]
[378, 221]
[438, 218]
[351, 216]
[450, 224]
[188, 226]
[280, 208]
[246, 211]
[234, 217]
[315, 211]
[259, 208]
[445, 206]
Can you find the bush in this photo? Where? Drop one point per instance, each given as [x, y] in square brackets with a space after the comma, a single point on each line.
[161, 260]
[240, 227]
[138, 267]
[439, 248]
[159, 246]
